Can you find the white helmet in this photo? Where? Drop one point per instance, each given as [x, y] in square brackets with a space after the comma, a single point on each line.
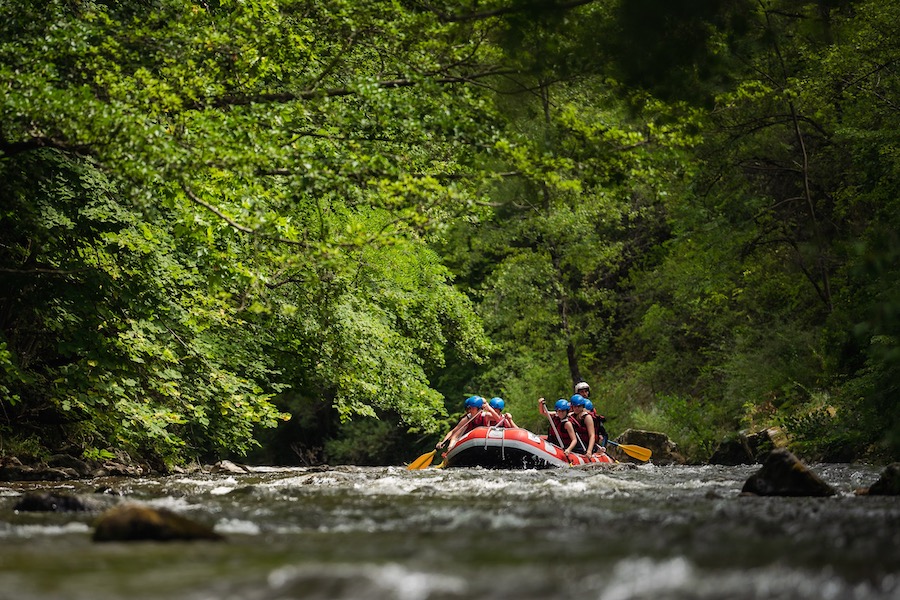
[582, 385]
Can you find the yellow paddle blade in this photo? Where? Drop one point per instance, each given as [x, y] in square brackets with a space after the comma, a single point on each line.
[638, 452]
[423, 461]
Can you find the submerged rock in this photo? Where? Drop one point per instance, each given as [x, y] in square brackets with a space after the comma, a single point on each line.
[784, 475]
[58, 502]
[888, 483]
[137, 522]
[226, 466]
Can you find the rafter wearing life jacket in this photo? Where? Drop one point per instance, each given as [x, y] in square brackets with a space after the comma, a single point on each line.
[599, 429]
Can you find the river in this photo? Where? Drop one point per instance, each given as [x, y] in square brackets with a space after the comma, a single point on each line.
[617, 533]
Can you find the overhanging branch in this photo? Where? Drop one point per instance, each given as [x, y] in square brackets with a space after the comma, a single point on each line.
[281, 97]
[234, 224]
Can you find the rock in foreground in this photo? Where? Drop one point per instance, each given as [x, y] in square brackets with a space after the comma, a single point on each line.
[888, 483]
[136, 522]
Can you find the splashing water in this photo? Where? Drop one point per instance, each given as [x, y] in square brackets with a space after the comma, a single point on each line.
[388, 533]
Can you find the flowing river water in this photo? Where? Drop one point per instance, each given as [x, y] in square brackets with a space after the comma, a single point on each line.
[617, 533]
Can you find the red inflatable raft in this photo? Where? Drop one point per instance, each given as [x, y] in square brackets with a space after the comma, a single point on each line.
[500, 448]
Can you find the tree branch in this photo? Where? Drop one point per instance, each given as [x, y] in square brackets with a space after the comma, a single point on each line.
[499, 12]
[8, 149]
[281, 97]
[43, 271]
[234, 224]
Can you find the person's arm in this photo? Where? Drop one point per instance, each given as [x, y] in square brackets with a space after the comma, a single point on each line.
[452, 432]
[571, 431]
[492, 413]
[509, 421]
[541, 408]
[592, 436]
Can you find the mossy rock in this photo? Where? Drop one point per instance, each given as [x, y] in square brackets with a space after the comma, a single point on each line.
[137, 522]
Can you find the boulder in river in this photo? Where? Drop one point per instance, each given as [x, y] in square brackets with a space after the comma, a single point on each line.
[59, 502]
[784, 475]
[226, 466]
[748, 449]
[888, 483]
[732, 451]
[137, 522]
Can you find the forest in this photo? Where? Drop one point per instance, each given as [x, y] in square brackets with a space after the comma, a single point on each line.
[298, 231]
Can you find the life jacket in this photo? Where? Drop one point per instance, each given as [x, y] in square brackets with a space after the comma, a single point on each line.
[479, 420]
[581, 431]
[560, 425]
[599, 429]
[505, 421]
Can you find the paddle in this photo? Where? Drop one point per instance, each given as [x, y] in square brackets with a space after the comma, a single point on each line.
[423, 461]
[638, 452]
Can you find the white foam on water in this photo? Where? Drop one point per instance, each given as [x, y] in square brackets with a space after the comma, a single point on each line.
[370, 581]
[388, 486]
[648, 579]
[645, 578]
[175, 504]
[202, 481]
[325, 479]
[602, 481]
[237, 526]
[34, 531]
[560, 483]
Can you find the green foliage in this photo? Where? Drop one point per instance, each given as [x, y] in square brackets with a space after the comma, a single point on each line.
[367, 442]
[208, 205]
[110, 328]
[212, 210]
[695, 426]
[736, 265]
[25, 447]
[98, 454]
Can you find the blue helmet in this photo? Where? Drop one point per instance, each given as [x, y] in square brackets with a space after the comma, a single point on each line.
[588, 405]
[577, 400]
[474, 401]
[497, 403]
[562, 404]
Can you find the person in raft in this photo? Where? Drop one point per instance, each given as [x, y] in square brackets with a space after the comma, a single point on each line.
[602, 436]
[478, 414]
[584, 389]
[584, 425]
[561, 430]
[506, 419]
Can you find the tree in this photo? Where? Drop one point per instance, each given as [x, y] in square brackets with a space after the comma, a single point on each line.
[757, 294]
[256, 160]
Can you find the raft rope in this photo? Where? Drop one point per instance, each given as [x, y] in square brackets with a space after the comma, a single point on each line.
[502, 440]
